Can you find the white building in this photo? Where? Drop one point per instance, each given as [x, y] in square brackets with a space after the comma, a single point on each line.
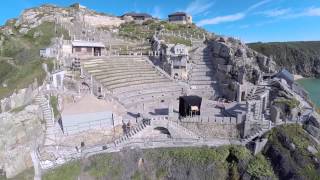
[180, 18]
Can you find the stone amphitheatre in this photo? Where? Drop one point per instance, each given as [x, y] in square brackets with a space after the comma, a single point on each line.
[136, 81]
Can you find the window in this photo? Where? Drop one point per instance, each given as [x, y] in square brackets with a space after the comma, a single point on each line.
[89, 49]
[77, 49]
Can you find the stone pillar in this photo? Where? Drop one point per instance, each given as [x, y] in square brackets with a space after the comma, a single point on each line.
[239, 93]
[259, 145]
[170, 113]
[91, 81]
[246, 126]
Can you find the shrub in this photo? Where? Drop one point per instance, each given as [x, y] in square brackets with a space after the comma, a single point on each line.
[259, 166]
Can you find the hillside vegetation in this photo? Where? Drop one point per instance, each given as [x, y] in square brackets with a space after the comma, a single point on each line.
[228, 162]
[20, 62]
[298, 57]
[147, 29]
[286, 156]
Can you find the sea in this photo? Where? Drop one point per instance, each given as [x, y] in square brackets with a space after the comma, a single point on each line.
[312, 86]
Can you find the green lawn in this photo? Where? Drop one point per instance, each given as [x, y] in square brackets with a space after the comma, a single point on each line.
[68, 171]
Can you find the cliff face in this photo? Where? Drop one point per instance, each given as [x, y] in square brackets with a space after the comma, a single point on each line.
[298, 57]
[236, 63]
[33, 17]
[21, 129]
[289, 154]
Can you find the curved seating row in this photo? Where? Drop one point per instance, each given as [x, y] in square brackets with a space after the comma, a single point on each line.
[132, 79]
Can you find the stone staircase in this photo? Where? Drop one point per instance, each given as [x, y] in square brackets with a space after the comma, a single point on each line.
[126, 138]
[254, 133]
[258, 130]
[201, 75]
[255, 92]
[176, 130]
[48, 118]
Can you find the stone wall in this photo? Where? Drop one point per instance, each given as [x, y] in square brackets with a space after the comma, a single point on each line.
[19, 134]
[213, 130]
[211, 119]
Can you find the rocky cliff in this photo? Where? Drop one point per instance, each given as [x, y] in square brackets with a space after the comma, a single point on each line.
[298, 57]
[236, 63]
[20, 131]
[33, 17]
[290, 153]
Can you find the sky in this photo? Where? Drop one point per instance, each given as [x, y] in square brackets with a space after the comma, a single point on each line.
[248, 20]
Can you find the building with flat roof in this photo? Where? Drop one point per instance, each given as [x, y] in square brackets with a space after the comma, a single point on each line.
[136, 17]
[87, 48]
[180, 18]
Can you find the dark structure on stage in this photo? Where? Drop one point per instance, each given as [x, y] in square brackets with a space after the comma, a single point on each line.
[189, 106]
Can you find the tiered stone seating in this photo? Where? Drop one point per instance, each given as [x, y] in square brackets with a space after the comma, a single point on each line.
[132, 79]
[201, 75]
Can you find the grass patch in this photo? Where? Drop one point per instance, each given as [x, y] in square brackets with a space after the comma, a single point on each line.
[290, 103]
[54, 104]
[69, 171]
[103, 165]
[310, 172]
[178, 40]
[196, 155]
[259, 166]
[26, 63]
[145, 31]
[19, 109]
[137, 176]
[22, 77]
[161, 173]
[240, 152]
[42, 35]
[6, 69]
[298, 136]
[4, 92]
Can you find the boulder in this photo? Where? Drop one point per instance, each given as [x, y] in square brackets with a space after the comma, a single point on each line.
[314, 121]
[275, 114]
[19, 132]
[312, 150]
[315, 132]
[239, 53]
[225, 51]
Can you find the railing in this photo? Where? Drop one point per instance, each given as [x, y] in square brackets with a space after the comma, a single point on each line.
[213, 119]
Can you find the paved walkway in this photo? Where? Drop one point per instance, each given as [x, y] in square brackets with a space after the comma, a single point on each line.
[36, 165]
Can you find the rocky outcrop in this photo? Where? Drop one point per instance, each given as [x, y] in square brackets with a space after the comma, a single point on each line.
[312, 126]
[292, 153]
[236, 63]
[20, 132]
[20, 98]
[33, 17]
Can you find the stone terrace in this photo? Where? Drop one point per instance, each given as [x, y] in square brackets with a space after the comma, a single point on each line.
[132, 79]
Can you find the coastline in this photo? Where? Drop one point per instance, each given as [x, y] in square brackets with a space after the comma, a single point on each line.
[297, 77]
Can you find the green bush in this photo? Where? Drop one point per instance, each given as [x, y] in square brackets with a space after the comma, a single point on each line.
[69, 171]
[291, 103]
[54, 105]
[26, 65]
[103, 165]
[259, 166]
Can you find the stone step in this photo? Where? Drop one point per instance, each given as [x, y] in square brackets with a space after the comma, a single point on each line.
[201, 78]
[203, 63]
[202, 82]
[202, 66]
[201, 70]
